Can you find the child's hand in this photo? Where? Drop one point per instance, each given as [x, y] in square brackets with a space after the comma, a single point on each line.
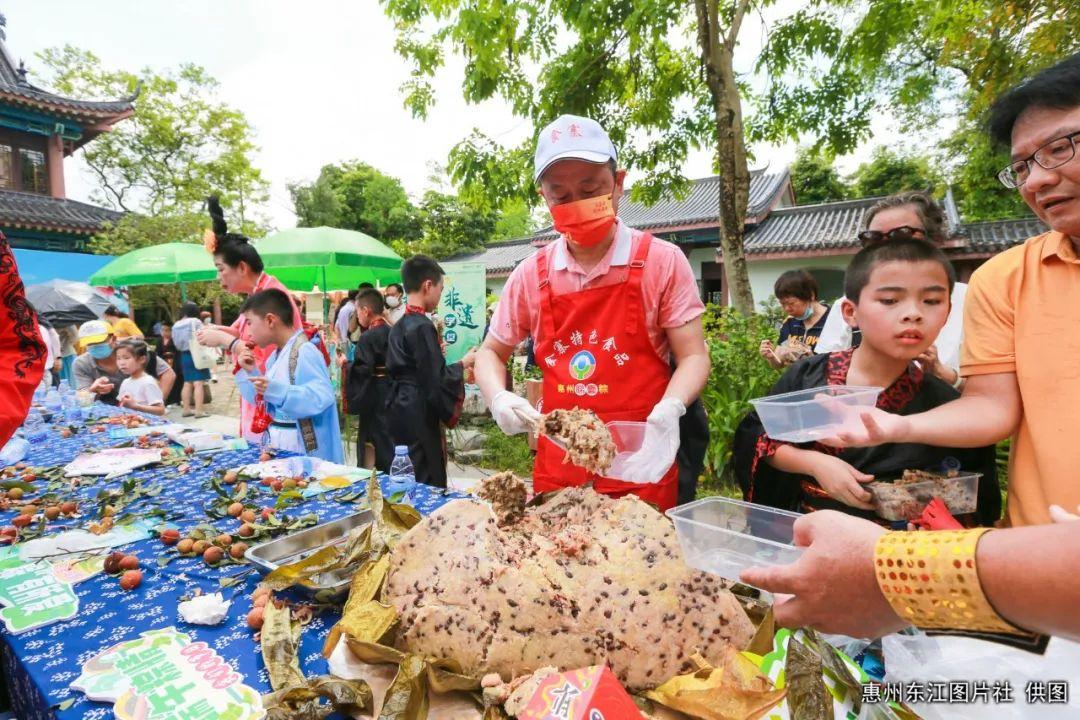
[260, 384]
[124, 401]
[245, 357]
[469, 359]
[842, 481]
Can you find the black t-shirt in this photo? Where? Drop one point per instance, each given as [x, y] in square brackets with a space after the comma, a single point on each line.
[794, 327]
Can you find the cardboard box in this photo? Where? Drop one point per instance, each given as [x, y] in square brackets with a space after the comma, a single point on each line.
[592, 693]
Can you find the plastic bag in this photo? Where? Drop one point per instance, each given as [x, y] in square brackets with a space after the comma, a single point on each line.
[922, 658]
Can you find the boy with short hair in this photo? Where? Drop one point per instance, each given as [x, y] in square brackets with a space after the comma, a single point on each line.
[296, 386]
[425, 391]
[900, 291]
[367, 384]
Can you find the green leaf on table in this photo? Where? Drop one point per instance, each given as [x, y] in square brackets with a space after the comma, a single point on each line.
[808, 698]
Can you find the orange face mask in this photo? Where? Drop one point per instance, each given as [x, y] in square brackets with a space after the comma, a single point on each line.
[585, 222]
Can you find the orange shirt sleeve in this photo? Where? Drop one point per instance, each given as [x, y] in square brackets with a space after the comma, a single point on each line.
[989, 317]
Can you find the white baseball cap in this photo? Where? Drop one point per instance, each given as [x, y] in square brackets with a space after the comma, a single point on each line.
[93, 332]
[572, 136]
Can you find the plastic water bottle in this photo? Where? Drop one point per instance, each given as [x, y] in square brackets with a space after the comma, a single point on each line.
[70, 405]
[402, 475]
[40, 392]
[35, 428]
[14, 451]
[53, 402]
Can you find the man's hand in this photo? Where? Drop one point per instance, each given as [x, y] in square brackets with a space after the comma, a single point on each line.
[101, 386]
[766, 349]
[513, 413]
[660, 445]
[832, 587]
[260, 383]
[842, 481]
[1059, 514]
[866, 427]
[245, 357]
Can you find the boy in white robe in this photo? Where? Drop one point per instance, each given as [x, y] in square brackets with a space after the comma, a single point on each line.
[296, 387]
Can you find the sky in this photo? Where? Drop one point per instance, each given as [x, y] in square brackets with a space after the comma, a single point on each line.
[318, 80]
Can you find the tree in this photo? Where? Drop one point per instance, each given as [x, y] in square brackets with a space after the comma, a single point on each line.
[657, 75]
[815, 179]
[450, 227]
[181, 144]
[516, 220]
[889, 172]
[357, 196]
[951, 59]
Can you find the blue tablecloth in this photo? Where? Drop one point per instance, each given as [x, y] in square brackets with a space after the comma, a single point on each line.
[39, 665]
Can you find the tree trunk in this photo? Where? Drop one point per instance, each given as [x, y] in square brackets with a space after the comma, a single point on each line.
[717, 61]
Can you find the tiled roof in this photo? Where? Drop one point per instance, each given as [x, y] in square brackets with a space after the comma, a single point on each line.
[809, 228]
[701, 206]
[997, 235]
[41, 212]
[501, 258]
[13, 83]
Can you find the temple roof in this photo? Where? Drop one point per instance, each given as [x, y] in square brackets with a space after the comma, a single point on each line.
[30, 211]
[94, 116]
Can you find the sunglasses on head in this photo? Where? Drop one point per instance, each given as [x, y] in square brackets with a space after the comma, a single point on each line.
[904, 232]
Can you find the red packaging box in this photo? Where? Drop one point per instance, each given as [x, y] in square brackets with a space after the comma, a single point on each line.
[592, 693]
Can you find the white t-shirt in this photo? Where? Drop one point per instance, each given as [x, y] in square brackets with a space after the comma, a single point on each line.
[144, 390]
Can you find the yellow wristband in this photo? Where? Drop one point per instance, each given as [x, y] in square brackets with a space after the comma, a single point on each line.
[930, 579]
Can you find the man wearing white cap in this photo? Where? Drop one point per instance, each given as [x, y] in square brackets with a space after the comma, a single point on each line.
[96, 369]
[606, 306]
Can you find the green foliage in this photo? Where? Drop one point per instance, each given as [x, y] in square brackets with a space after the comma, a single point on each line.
[356, 196]
[890, 172]
[506, 452]
[979, 195]
[738, 375]
[181, 144]
[815, 179]
[452, 227]
[515, 220]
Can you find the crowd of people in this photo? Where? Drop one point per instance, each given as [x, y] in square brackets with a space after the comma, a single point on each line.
[615, 322]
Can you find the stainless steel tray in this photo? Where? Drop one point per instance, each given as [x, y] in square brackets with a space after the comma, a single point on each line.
[268, 556]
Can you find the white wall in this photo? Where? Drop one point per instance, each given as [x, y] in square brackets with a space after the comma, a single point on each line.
[763, 273]
[698, 256]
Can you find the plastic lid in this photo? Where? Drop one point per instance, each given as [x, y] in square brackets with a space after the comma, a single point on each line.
[401, 449]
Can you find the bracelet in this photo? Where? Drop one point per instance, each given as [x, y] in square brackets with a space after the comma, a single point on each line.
[931, 581]
[235, 340]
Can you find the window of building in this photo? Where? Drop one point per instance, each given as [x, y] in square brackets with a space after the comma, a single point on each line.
[7, 177]
[35, 178]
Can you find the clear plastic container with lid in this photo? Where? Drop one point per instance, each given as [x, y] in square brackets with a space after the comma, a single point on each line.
[724, 536]
[814, 413]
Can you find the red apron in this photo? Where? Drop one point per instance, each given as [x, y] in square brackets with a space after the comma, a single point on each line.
[595, 352]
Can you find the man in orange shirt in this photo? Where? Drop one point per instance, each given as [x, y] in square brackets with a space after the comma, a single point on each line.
[1023, 376]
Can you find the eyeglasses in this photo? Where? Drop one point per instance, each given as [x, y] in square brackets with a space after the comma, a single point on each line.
[1052, 155]
[904, 232]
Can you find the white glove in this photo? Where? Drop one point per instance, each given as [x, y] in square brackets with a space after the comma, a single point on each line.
[657, 452]
[513, 413]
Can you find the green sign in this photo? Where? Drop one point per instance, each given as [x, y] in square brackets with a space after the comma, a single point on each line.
[32, 594]
[163, 675]
[463, 311]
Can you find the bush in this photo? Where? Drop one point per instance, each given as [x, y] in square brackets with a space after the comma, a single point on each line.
[738, 374]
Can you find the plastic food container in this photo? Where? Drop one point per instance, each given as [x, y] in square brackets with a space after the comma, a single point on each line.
[907, 501]
[814, 413]
[724, 536]
[628, 437]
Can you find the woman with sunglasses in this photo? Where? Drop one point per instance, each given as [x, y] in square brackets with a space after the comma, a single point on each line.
[900, 217]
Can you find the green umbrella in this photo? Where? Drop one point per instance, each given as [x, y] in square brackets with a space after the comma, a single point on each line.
[333, 259]
[163, 264]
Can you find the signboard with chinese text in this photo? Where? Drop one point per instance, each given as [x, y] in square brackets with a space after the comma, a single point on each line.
[463, 311]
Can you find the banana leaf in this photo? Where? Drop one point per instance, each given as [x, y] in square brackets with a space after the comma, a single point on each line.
[280, 637]
[808, 698]
[300, 702]
[734, 691]
[302, 571]
[363, 615]
[407, 696]
[837, 669]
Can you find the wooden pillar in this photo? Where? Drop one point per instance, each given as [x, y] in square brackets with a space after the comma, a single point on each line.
[54, 164]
